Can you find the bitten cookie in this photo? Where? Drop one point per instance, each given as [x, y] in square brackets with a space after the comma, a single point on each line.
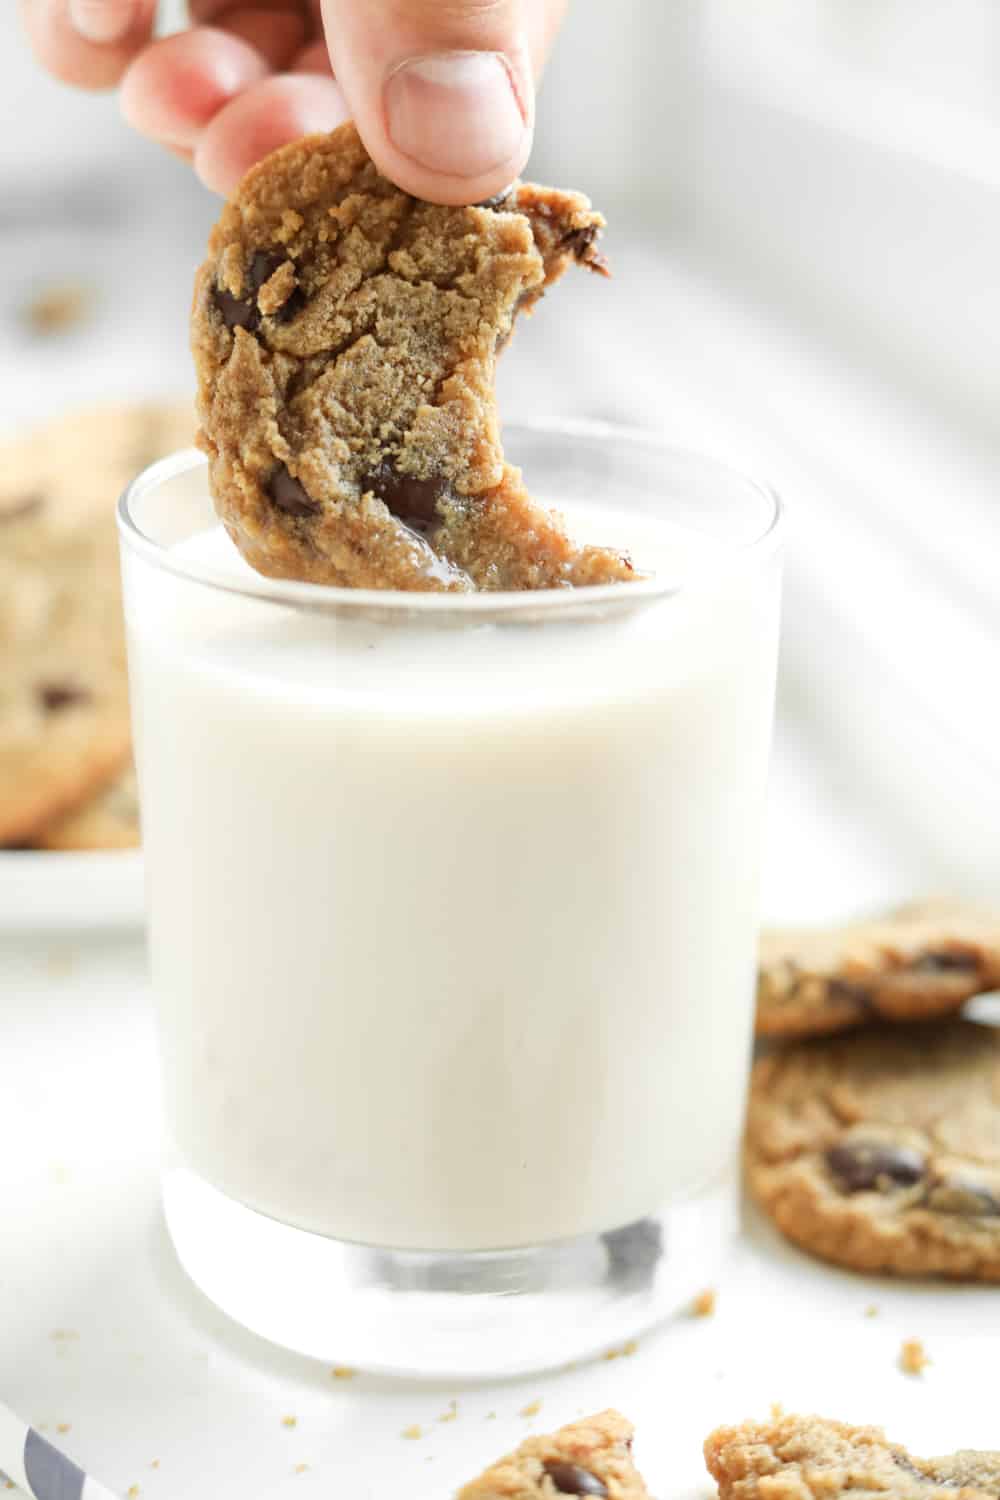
[64, 725]
[592, 1457]
[805, 1458]
[108, 821]
[881, 1150]
[345, 339]
[921, 962]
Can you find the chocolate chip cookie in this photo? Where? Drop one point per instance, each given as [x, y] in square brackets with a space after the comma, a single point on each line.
[881, 1150]
[920, 962]
[805, 1458]
[64, 725]
[592, 1457]
[110, 820]
[345, 338]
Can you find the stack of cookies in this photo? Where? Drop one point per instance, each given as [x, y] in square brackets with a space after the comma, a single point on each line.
[66, 780]
[873, 1137]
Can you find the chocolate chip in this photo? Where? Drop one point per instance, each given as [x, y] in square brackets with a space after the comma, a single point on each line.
[946, 961]
[293, 304]
[21, 506]
[858, 1166]
[243, 312]
[570, 1479]
[413, 501]
[848, 989]
[288, 495]
[263, 264]
[582, 242]
[959, 1195]
[237, 312]
[55, 696]
[499, 200]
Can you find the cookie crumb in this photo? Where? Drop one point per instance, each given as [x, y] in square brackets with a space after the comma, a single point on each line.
[59, 308]
[451, 1415]
[532, 1409]
[63, 1426]
[300, 1469]
[703, 1305]
[342, 1372]
[132, 1492]
[777, 1411]
[872, 1310]
[490, 1416]
[155, 1464]
[289, 1421]
[413, 1431]
[629, 1347]
[913, 1357]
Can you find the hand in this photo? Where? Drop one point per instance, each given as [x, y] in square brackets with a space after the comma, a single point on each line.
[442, 90]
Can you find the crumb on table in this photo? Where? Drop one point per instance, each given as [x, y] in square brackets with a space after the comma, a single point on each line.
[300, 1469]
[289, 1421]
[532, 1409]
[342, 1372]
[703, 1305]
[872, 1310]
[412, 1432]
[913, 1357]
[451, 1415]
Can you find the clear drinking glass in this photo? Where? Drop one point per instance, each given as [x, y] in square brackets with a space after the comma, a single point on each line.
[452, 911]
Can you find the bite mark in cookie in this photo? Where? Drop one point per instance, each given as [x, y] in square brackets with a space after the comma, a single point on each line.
[345, 337]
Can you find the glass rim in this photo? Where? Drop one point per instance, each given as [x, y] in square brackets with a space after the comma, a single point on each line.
[493, 604]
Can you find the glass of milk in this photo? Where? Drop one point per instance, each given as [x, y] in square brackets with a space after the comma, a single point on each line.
[452, 913]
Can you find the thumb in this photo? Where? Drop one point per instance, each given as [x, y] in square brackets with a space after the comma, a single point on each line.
[441, 90]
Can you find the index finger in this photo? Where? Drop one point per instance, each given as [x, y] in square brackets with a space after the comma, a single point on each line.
[66, 53]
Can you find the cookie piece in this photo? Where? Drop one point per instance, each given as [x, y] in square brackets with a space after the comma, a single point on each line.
[108, 821]
[345, 339]
[920, 962]
[805, 1458]
[64, 724]
[881, 1150]
[592, 1457]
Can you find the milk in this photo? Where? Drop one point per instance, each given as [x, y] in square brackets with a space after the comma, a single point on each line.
[452, 925]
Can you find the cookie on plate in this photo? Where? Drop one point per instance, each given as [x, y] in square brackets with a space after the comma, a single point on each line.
[881, 1150]
[345, 338]
[920, 962]
[592, 1457]
[64, 725]
[108, 821]
[797, 1458]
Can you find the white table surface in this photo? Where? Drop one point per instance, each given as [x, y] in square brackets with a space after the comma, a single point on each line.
[102, 1331]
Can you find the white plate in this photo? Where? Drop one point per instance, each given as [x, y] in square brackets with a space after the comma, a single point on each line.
[42, 891]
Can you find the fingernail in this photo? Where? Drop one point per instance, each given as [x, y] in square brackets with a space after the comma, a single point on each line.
[101, 21]
[455, 112]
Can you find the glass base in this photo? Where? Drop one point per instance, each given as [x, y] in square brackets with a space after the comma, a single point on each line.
[471, 1314]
